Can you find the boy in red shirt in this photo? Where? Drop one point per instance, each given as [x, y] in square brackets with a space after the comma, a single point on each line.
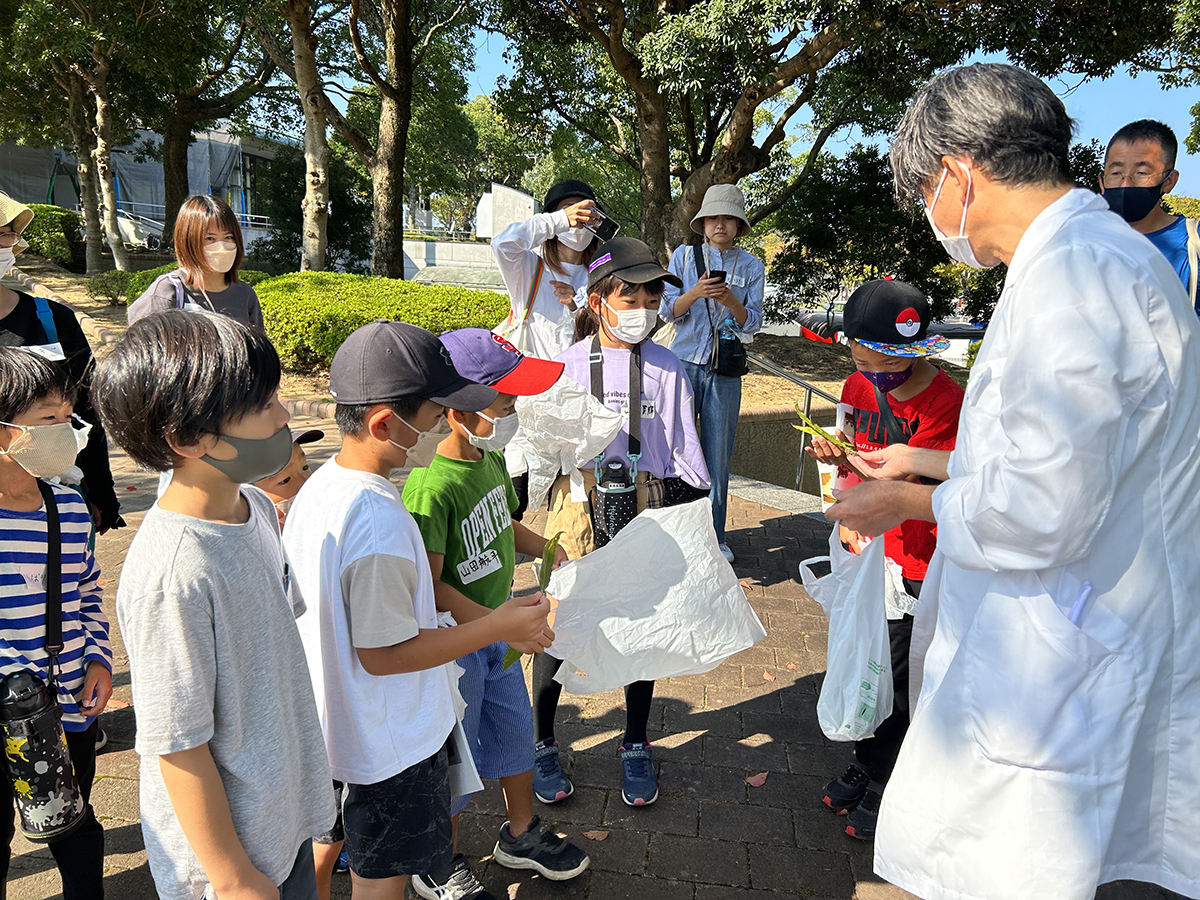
[897, 396]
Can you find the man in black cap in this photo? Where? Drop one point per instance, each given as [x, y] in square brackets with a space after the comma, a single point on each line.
[374, 650]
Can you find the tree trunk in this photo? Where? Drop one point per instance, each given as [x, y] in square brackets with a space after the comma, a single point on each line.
[655, 178]
[387, 188]
[317, 155]
[89, 199]
[102, 154]
[177, 135]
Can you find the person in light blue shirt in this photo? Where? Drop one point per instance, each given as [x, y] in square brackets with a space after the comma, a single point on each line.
[706, 310]
[1139, 170]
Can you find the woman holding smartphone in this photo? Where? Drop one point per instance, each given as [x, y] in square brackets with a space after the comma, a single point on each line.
[718, 309]
[541, 286]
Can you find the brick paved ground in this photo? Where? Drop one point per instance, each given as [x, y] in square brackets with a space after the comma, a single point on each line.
[709, 837]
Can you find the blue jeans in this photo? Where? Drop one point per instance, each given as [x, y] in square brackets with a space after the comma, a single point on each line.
[718, 400]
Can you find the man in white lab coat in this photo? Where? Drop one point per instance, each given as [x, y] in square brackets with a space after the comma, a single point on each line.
[1056, 742]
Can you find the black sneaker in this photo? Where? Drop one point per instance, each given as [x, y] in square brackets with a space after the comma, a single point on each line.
[861, 821]
[456, 882]
[541, 850]
[846, 792]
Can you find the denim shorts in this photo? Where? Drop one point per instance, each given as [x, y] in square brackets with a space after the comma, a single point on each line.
[499, 720]
[401, 825]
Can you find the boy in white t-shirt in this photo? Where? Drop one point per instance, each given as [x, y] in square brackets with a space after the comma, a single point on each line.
[374, 649]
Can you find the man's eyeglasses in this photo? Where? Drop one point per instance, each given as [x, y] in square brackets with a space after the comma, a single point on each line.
[8, 238]
[1137, 179]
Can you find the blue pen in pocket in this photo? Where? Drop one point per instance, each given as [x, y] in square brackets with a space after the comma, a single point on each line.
[1076, 614]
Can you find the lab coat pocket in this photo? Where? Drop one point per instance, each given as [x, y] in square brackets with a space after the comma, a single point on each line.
[1035, 683]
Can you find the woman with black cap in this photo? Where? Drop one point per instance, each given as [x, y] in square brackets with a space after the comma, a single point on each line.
[541, 287]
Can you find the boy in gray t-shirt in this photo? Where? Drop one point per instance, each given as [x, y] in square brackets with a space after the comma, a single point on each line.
[234, 776]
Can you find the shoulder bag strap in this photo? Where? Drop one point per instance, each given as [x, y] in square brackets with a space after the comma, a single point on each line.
[596, 363]
[895, 434]
[54, 639]
[1193, 254]
[537, 282]
[46, 316]
[177, 282]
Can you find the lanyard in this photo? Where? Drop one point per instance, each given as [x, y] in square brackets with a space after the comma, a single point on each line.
[596, 360]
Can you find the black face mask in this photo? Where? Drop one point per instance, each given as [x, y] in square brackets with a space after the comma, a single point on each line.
[1134, 203]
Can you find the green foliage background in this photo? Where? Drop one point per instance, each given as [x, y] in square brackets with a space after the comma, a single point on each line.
[53, 233]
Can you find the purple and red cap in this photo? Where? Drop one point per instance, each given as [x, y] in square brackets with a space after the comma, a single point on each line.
[487, 358]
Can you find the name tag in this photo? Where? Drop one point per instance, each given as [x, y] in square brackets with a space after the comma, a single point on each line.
[478, 567]
[34, 575]
[189, 306]
[52, 352]
[647, 409]
[738, 280]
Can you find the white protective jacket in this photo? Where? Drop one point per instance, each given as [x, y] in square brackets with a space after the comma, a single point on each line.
[551, 325]
[1046, 757]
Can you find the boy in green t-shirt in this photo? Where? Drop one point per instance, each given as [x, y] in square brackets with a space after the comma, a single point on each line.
[463, 503]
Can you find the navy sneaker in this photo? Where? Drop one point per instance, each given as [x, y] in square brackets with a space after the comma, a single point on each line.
[549, 783]
[847, 790]
[861, 821]
[639, 784]
[457, 882]
[540, 850]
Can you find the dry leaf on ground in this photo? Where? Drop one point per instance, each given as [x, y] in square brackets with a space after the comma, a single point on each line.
[767, 676]
[757, 780]
[114, 703]
[595, 835]
[792, 666]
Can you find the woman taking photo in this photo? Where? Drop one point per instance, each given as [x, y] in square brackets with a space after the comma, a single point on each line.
[208, 245]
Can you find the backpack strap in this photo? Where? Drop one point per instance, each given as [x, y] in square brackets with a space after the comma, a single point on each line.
[53, 586]
[596, 364]
[178, 283]
[46, 316]
[1193, 254]
[891, 425]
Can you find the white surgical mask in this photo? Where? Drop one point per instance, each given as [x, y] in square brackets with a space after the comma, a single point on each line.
[45, 451]
[221, 255]
[959, 247]
[424, 448]
[8, 258]
[504, 429]
[633, 325]
[577, 238]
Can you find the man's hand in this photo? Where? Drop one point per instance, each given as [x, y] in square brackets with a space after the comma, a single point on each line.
[522, 620]
[873, 507]
[97, 688]
[888, 464]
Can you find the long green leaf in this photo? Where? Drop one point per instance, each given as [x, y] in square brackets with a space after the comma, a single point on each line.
[511, 656]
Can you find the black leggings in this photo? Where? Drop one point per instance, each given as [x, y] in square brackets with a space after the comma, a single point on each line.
[546, 692]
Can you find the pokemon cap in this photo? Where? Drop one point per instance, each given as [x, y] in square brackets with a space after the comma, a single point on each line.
[891, 317]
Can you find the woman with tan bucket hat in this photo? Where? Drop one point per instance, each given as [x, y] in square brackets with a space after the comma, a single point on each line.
[50, 329]
[717, 312]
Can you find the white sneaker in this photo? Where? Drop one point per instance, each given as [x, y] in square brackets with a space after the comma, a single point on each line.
[727, 553]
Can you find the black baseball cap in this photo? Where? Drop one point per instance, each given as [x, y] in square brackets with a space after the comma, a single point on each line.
[630, 260]
[383, 361]
[891, 317]
[564, 189]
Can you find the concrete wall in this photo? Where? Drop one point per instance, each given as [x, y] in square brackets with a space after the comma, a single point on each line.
[768, 447]
[465, 254]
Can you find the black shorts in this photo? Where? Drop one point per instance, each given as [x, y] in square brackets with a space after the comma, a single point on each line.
[337, 833]
[401, 825]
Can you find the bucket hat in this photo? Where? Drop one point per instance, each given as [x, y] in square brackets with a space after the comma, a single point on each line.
[18, 216]
[722, 200]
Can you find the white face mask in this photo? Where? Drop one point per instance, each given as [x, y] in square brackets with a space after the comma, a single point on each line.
[577, 238]
[504, 429]
[959, 247]
[221, 255]
[633, 325]
[45, 451]
[8, 258]
[424, 448]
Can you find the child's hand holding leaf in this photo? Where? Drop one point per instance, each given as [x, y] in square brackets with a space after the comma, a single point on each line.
[550, 561]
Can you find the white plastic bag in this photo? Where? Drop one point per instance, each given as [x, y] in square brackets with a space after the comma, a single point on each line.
[857, 694]
[658, 601]
[562, 429]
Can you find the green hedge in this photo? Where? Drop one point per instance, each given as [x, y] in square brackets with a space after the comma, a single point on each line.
[142, 280]
[53, 232]
[309, 314]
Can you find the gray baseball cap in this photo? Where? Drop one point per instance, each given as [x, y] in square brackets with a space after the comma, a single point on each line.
[383, 361]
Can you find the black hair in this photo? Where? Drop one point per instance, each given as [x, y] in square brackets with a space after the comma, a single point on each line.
[178, 376]
[350, 418]
[586, 323]
[26, 378]
[1148, 130]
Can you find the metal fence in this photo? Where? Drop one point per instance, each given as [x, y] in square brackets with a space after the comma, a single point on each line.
[809, 389]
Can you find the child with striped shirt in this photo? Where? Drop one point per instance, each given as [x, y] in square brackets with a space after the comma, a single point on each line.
[39, 439]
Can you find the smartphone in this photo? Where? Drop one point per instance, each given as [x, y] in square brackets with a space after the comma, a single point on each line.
[606, 229]
[718, 274]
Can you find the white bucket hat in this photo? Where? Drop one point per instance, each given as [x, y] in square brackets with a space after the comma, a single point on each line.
[17, 216]
[722, 200]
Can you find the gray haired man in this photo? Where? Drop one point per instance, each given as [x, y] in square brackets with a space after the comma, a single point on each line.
[1054, 744]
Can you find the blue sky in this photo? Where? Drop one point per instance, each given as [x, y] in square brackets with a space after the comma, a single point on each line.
[1099, 107]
